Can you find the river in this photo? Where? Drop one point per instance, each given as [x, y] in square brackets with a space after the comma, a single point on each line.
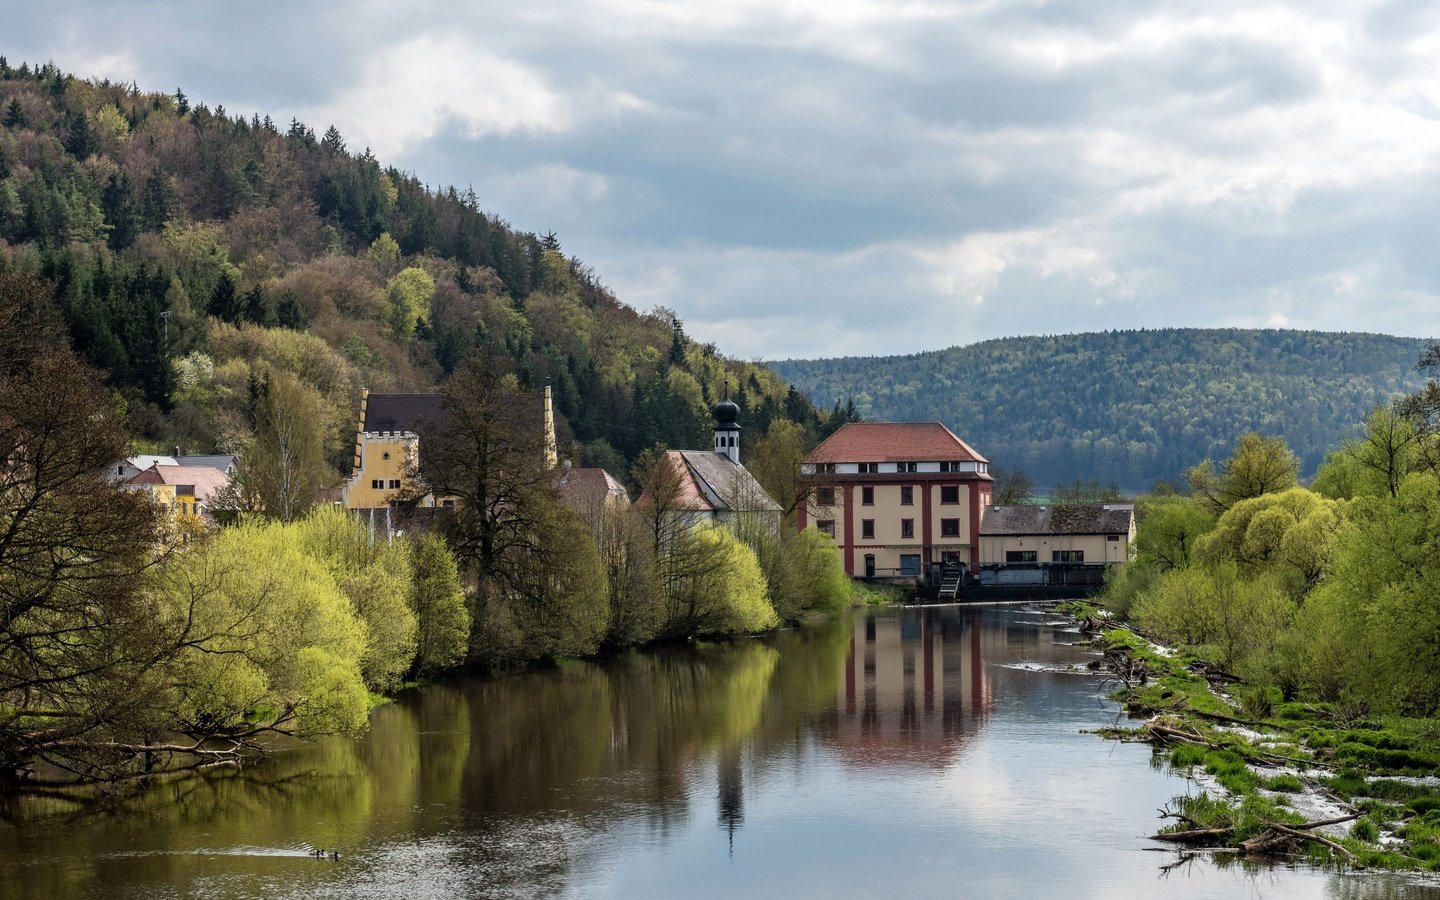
[891, 753]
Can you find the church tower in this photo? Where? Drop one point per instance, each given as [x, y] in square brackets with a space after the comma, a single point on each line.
[727, 429]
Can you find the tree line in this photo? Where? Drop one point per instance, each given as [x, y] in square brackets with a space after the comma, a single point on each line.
[197, 253]
[1130, 407]
[122, 655]
[1325, 594]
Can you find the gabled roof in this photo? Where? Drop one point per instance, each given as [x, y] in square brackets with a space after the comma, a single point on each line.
[585, 488]
[206, 480]
[402, 412]
[858, 442]
[223, 462]
[1076, 518]
[711, 482]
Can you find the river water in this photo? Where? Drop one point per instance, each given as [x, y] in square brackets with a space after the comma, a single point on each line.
[894, 753]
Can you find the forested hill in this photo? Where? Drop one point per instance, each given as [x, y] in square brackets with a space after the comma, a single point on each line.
[197, 255]
[1129, 406]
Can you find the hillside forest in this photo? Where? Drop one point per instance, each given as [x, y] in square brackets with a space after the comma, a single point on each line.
[1128, 407]
[173, 275]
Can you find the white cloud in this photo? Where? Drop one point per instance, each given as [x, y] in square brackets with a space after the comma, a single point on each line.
[410, 91]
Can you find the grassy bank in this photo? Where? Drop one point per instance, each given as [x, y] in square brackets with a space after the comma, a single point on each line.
[1307, 780]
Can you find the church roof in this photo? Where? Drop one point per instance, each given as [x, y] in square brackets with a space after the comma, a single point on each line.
[859, 442]
[722, 484]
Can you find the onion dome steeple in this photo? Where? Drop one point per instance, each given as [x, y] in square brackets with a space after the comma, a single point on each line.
[727, 428]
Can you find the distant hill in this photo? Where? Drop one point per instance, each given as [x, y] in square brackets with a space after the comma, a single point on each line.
[194, 253]
[1134, 407]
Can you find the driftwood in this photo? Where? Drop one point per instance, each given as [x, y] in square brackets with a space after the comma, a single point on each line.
[1193, 836]
[1276, 838]
[1283, 838]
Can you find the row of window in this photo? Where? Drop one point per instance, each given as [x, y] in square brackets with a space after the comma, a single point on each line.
[873, 468]
[949, 494]
[948, 528]
[380, 485]
[1030, 556]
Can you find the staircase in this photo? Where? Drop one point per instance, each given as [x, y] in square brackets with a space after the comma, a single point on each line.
[950, 584]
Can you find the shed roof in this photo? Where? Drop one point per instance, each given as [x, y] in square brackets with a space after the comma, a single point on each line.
[857, 442]
[1077, 518]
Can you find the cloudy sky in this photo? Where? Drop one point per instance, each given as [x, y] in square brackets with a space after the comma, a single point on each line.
[840, 177]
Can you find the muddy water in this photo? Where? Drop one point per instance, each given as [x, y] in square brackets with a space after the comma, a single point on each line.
[897, 753]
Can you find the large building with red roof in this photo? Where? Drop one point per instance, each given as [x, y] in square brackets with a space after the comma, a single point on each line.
[898, 497]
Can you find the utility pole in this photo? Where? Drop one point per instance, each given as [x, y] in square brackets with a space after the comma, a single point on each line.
[165, 317]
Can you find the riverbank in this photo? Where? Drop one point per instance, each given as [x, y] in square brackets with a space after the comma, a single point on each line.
[1290, 780]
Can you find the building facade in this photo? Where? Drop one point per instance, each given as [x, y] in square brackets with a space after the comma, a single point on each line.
[898, 497]
[1069, 534]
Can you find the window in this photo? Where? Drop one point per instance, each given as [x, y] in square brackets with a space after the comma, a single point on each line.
[824, 468]
[867, 528]
[867, 496]
[1020, 556]
[869, 468]
[394, 483]
[1067, 556]
[385, 455]
[827, 526]
[907, 467]
[377, 483]
[907, 528]
[949, 527]
[1112, 537]
[447, 504]
[950, 493]
[824, 496]
[907, 495]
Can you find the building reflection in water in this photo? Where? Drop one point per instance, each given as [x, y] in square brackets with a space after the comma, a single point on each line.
[916, 686]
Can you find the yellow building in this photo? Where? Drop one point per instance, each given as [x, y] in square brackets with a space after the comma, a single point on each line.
[387, 447]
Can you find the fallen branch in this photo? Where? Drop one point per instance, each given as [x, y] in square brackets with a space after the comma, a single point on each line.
[1194, 835]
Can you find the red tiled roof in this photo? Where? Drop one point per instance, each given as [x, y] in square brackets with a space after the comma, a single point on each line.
[858, 442]
[589, 487]
[205, 479]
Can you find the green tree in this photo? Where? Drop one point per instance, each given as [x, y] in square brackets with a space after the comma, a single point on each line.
[410, 293]
[774, 460]
[77, 633]
[439, 605]
[1259, 465]
[283, 471]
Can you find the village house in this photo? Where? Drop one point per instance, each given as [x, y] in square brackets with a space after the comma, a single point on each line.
[187, 496]
[900, 498]
[714, 487]
[134, 465]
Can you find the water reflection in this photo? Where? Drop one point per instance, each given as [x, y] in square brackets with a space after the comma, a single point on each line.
[903, 751]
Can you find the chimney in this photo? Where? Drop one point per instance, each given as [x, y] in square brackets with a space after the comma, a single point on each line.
[176, 454]
[552, 456]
